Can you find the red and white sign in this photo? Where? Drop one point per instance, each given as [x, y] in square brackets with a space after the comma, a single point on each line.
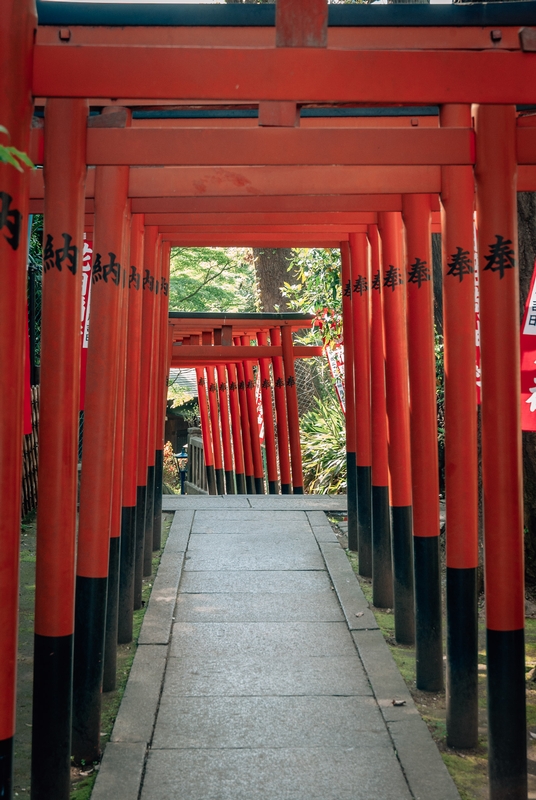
[528, 360]
[335, 357]
[84, 315]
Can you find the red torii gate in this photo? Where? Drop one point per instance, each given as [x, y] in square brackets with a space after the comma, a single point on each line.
[436, 63]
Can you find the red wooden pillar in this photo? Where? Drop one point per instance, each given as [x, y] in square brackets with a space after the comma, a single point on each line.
[397, 381]
[496, 175]
[154, 399]
[225, 430]
[149, 258]
[281, 414]
[349, 395]
[382, 563]
[268, 415]
[161, 396]
[130, 490]
[238, 445]
[246, 434]
[112, 598]
[212, 386]
[461, 469]
[360, 278]
[65, 175]
[417, 215]
[292, 408]
[253, 422]
[16, 48]
[111, 187]
[205, 424]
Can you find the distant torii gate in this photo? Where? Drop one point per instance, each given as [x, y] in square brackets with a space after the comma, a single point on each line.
[121, 57]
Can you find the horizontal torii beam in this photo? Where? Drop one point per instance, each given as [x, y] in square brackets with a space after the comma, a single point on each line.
[214, 354]
[281, 73]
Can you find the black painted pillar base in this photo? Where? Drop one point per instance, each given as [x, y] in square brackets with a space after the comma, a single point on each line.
[382, 563]
[112, 608]
[250, 484]
[90, 620]
[428, 633]
[241, 483]
[220, 481]
[230, 482]
[6, 768]
[351, 499]
[141, 495]
[211, 479]
[404, 601]
[462, 658]
[157, 503]
[297, 490]
[126, 575]
[149, 521]
[364, 519]
[507, 726]
[259, 485]
[272, 487]
[286, 488]
[51, 719]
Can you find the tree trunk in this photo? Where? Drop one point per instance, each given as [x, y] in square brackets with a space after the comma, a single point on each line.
[271, 270]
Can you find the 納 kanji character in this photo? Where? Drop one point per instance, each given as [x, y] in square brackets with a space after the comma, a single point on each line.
[419, 273]
[460, 264]
[112, 269]
[134, 278]
[501, 256]
[392, 278]
[10, 219]
[148, 281]
[360, 284]
[68, 253]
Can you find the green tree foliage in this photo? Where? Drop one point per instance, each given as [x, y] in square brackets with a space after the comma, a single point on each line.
[10, 154]
[323, 440]
[318, 289]
[212, 279]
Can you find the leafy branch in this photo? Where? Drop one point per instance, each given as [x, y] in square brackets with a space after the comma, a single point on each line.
[208, 279]
[10, 154]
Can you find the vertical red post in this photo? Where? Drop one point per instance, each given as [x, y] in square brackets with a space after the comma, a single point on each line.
[16, 57]
[247, 433]
[225, 430]
[382, 563]
[397, 382]
[281, 415]
[349, 395]
[360, 278]
[161, 397]
[205, 424]
[417, 216]
[111, 188]
[496, 178]
[461, 467]
[112, 597]
[149, 258]
[238, 446]
[258, 468]
[268, 415]
[212, 386]
[65, 175]
[130, 489]
[292, 408]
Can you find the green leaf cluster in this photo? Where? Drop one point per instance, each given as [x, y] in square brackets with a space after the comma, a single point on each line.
[318, 289]
[212, 279]
[323, 440]
[10, 154]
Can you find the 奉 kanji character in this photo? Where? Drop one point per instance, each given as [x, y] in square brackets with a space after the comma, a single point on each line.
[212, 387]
[242, 385]
[376, 284]
[250, 384]
[266, 384]
[460, 264]
[233, 387]
[360, 284]
[392, 278]
[348, 289]
[419, 273]
[291, 380]
[10, 219]
[279, 383]
[501, 256]
[201, 382]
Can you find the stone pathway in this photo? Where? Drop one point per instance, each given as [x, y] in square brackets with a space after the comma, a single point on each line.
[261, 673]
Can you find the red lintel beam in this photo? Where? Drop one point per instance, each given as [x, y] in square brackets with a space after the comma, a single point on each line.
[284, 73]
[222, 354]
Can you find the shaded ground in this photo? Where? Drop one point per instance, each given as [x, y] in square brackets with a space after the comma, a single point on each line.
[82, 780]
[467, 767]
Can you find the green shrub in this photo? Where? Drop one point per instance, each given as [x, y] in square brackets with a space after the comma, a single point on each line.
[324, 447]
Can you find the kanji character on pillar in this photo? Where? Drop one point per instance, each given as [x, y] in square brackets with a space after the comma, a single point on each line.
[501, 256]
[360, 284]
[460, 264]
[419, 272]
[10, 219]
[392, 278]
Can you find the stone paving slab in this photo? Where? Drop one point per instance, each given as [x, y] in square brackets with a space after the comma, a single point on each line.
[260, 527]
[120, 772]
[251, 554]
[137, 713]
[275, 774]
[263, 639]
[281, 675]
[253, 581]
[303, 502]
[206, 516]
[237, 722]
[353, 602]
[180, 502]
[244, 541]
[237, 607]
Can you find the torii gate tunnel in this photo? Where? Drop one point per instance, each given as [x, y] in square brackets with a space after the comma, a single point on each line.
[297, 125]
